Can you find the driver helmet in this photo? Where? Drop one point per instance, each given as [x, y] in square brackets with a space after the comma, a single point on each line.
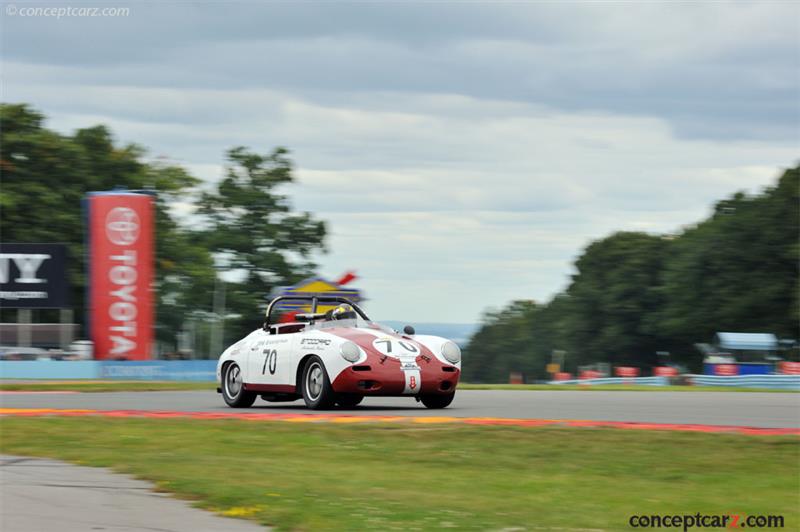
[343, 312]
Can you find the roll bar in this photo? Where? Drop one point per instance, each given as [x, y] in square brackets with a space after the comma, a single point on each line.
[314, 301]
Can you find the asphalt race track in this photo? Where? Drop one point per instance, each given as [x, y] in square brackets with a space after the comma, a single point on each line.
[773, 410]
[41, 494]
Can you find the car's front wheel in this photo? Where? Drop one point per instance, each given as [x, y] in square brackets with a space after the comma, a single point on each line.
[437, 401]
[233, 388]
[317, 390]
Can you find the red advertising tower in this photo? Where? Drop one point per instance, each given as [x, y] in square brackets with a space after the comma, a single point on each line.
[120, 274]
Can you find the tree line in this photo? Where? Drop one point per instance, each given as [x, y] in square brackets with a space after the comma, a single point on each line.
[635, 294]
[245, 222]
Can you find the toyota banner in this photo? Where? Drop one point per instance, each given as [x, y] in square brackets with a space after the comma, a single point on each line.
[121, 254]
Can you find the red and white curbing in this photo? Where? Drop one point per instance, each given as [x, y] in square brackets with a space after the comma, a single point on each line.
[339, 418]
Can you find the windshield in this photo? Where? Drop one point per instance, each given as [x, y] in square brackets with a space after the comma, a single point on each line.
[283, 309]
[357, 323]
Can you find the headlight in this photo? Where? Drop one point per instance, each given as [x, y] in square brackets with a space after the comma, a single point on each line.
[451, 352]
[350, 351]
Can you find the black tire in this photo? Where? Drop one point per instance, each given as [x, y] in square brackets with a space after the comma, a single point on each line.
[317, 390]
[437, 401]
[349, 400]
[233, 388]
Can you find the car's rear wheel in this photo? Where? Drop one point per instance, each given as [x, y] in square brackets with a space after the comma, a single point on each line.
[437, 401]
[317, 390]
[233, 388]
[348, 400]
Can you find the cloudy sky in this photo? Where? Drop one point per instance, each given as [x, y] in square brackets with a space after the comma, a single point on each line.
[462, 153]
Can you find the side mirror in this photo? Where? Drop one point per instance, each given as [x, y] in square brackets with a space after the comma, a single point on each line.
[409, 330]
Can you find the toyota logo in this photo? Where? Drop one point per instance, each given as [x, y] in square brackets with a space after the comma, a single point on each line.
[122, 226]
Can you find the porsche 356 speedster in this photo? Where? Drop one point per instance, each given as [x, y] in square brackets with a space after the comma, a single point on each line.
[336, 357]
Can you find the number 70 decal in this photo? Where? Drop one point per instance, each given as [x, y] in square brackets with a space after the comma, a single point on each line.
[271, 358]
[387, 346]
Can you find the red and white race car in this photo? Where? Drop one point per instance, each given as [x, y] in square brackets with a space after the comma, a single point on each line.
[337, 357]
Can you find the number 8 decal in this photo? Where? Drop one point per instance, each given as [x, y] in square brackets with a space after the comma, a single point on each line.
[272, 358]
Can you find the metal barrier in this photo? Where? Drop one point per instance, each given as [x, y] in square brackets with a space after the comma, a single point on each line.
[155, 370]
[773, 381]
[648, 381]
[205, 370]
[778, 382]
[49, 369]
[161, 370]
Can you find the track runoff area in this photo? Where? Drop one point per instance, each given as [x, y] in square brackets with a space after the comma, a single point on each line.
[494, 460]
[714, 412]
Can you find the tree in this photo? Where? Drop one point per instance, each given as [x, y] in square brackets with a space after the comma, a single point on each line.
[251, 228]
[635, 293]
[614, 298]
[738, 270]
[503, 344]
[520, 338]
[45, 175]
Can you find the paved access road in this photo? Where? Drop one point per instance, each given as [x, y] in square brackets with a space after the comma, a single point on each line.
[39, 494]
[774, 410]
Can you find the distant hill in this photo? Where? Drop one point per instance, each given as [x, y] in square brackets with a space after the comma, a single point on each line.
[460, 333]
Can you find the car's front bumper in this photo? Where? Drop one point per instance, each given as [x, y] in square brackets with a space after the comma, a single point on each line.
[389, 379]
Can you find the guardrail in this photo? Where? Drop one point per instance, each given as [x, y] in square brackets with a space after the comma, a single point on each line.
[782, 382]
[205, 370]
[777, 382]
[648, 381]
[49, 369]
[152, 370]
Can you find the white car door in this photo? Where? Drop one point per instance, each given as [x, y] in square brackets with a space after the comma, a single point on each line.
[271, 359]
[254, 348]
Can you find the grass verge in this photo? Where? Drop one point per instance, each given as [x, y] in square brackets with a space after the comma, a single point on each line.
[372, 476]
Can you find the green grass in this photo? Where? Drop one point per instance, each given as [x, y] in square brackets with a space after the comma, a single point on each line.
[403, 476]
[106, 386]
[149, 386]
[615, 388]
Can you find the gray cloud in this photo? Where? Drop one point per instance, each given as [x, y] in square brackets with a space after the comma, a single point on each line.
[711, 71]
[463, 152]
